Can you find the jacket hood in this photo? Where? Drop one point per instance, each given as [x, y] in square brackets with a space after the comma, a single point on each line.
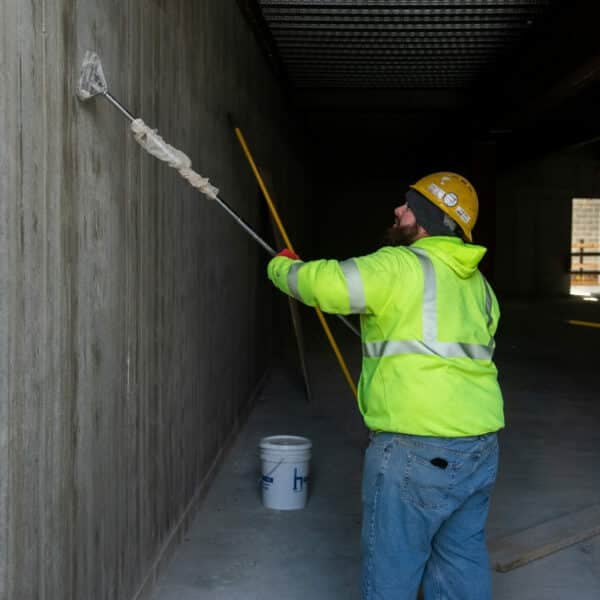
[462, 258]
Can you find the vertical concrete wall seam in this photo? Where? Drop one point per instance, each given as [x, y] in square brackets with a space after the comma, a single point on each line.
[47, 448]
[7, 187]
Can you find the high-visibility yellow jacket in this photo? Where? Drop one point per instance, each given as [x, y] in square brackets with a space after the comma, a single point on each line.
[428, 319]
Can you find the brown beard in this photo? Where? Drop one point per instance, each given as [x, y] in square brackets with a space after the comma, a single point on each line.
[401, 236]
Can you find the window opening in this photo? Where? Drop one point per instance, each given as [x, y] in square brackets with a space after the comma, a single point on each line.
[585, 247]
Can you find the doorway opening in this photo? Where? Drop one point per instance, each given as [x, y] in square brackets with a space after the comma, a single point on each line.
[585, 247]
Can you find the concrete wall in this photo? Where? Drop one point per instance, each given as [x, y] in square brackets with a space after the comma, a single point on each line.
[533, 224]
[133, 312]
[586, 221]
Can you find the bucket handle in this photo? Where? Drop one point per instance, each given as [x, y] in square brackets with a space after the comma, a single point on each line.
[270, 472]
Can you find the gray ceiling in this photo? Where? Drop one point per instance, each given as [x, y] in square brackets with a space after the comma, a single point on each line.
[395, 43]
[524, 73]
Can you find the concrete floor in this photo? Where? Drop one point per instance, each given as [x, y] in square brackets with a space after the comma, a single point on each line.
[237, 549]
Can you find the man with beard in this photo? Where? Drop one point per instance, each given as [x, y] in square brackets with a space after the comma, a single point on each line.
[428, 391]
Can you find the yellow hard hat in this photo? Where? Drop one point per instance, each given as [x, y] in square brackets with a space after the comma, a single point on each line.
[454, 195]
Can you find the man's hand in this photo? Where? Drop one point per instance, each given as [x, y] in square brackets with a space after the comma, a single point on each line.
[288, 254]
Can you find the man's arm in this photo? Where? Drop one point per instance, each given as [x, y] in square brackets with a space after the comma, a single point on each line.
[319, 283]
[354, 286]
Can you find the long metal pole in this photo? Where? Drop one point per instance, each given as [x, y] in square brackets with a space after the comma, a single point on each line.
[219, 201]
[117, 104]
[108, 96]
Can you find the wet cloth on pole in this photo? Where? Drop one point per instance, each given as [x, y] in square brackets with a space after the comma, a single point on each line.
[154, 144]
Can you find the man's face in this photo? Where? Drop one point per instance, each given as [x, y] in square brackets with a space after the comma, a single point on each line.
[405, 229]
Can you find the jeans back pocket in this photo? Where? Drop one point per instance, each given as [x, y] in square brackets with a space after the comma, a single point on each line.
[429, 478]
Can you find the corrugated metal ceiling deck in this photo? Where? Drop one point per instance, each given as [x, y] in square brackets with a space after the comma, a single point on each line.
[397, 43]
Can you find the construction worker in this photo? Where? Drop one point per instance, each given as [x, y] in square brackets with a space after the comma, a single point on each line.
[428, 391]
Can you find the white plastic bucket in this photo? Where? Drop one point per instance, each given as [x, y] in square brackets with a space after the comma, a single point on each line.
[285, 467]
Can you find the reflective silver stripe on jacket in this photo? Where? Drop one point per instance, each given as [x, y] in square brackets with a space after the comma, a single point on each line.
[354, 283]
[356, 291]
[443, 349]
[429, 297]
[430, 344]
[488, 301]
[292, 280]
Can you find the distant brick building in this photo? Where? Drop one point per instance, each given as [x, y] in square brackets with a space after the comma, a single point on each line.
[585, 239]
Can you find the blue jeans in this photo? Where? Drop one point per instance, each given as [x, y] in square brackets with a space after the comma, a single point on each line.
[425, 504]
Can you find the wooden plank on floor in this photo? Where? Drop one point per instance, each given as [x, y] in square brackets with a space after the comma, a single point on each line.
[531, 544]
[584, 323]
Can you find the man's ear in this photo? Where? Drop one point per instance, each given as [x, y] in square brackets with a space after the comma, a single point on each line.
[422, 232]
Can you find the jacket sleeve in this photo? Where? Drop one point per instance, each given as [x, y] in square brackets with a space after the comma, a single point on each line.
[316, 283]
[354, 286]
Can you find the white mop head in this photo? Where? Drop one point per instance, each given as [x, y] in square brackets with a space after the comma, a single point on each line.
[91, 77]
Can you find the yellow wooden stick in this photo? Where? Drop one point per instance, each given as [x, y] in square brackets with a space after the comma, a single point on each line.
[288, 243]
